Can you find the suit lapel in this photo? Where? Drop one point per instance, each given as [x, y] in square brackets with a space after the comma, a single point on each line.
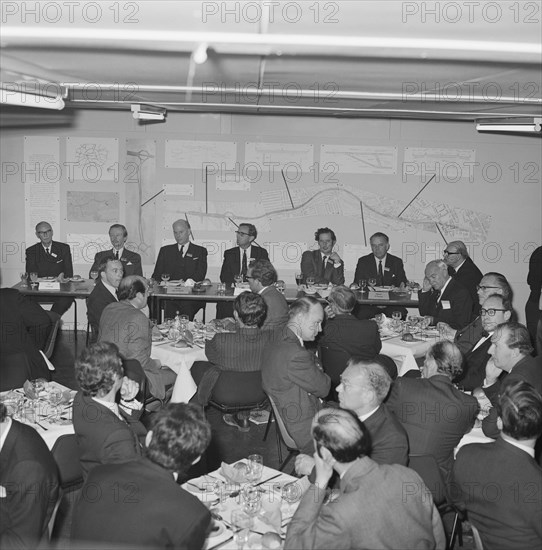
[9, 446]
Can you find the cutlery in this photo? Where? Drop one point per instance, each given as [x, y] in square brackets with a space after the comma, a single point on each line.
[220, 544]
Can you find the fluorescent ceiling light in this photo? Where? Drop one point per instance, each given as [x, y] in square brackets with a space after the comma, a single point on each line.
[522, 127]
[148, 112]
[22, 99]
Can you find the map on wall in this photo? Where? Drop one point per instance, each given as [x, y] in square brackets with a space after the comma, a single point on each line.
[358, 159]
[92, 159]
[92, 206]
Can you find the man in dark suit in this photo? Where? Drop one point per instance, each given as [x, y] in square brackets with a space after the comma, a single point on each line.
[50, 258]
[499, 483]
[433, 412]
[104, 292]
[106, 431]
[141, 505]
[262, 277]
[292, 375]
[131, 261]
[324, 265]
[29, 483]
[386, 269]
[183, 260]
[463, 269]
[533, 311]
[237, 262]
[443, 298]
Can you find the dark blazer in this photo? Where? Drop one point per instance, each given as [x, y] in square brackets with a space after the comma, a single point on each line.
[460, 312]
[102, 437]
[131, 261]
[99, 298]
[293, 377]
[469, 276]
[277, 308]
[474, 367]
[434, 414]
[58, 261]
[394, 271]
[499, 484]
[193, 265]
[140, 506]
[24, 327]
[29, 474]
[466, 338]
[311, 266]
[232, 261]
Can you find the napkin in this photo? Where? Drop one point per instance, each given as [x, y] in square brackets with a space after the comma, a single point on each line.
[233, 474]
[271, 514]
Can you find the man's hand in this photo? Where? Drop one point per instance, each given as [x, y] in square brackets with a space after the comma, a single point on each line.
[446, 330]
[329, 312]
[128, 389]
[323, 471]
[426, 286]
[335, 257]
[304, 464]
[492, 372]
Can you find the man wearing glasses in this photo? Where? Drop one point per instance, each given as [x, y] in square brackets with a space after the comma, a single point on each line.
[463, 269]
[237, 260]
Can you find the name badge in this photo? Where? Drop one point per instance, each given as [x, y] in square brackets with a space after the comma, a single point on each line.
[445, 304]
[53, 254]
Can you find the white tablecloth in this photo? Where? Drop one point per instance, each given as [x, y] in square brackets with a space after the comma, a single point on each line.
[405, 353]
[179, 360]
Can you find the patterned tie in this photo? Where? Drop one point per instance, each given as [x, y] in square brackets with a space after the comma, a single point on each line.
[116, 254]
[324, 262]
[244, 265]
[380, 274]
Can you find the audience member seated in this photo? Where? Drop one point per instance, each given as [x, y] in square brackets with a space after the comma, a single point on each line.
[241, 351]
[131, 261]
[499, 483]
[124, 324]
[50, 258]
[323, 265]
[433, 412]
[292, 376]
[495, 310]
[25, 328]
[106, 431]
[463, 269]
[443, 298]
[262, 277]
[28, 484]
[104, 292]
[140, 503]
[363, 388]
[378, 506]
[533, 306]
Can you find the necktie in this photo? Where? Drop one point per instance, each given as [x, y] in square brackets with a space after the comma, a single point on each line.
[244, 265]
[47, 251]
[116, 254]
[182, 251]
[324, 262]
[437, 295]
[451, 271]
[380, 273]
[484, 334]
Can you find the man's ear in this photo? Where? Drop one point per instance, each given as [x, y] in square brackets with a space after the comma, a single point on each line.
[326, 455]
[148, 438]
[507, 315]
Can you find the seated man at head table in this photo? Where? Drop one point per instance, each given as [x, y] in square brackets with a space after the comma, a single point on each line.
[499, 483]
[131, 261]
[463, 269]
[378, 506]
[292, 376]
[237, 261]
[105, 413]
[363, 388]
[433, 412]
[124, 324]
[323, 265]
[28, 484]
[141, 505]
[181, 261]
[240, 351]
[466, 338]
[262, 277]
[110, 274]
[50, 258]
[443, 298]
[386, 269]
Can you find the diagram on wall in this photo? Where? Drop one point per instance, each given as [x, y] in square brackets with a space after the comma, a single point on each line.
[92, 159]
[358, 159]
[92, 206]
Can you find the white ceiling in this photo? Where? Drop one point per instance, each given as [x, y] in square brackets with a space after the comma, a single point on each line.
[466, 61]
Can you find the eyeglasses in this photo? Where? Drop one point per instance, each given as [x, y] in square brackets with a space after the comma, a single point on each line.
[491, 311]
[241, 233]
[450, 253]
[44, 232]
[485, 287]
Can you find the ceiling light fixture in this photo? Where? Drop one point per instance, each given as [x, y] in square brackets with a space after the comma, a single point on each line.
[23, 99]
[200, 54]
[534, 126]
[149, 113]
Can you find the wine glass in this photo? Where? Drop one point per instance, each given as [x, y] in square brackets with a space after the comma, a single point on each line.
[299, 279]
[372, 282]
[24, 279]
[55, 397]
[281, 285]
[184, 321]
[252, 500]
[238, 279]
[396, 316]
[33, 279]
[165, 278]
[254, 468]
[241, 524]
[310, 281]
[94, 276]
[424, 323]
[291, 492]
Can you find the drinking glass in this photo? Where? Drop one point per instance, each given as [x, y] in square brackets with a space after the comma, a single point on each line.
[94, 276]
[165, 277]
[24, 279]
[238, 279]
[424, 323]
[34, 279]
[299, 279]
[291, 492]
[254, 468]
[221, 289]
[241, 524]
[372, 282]
[184, 322]
[55, 397]
[280, 286]
[252, 500]
[396, 316]
[310, 281]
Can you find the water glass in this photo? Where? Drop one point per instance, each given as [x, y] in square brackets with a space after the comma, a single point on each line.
[33, 279]
[252, 500]
[94, 276]
[24, 279]
[291, 492]
[238, 279]
[221, 289]
[372, 282]
[281, 285]
[299, 278]
[310, 281]
[241, 524]
[165, 277]
[184, 321]
[254, 468]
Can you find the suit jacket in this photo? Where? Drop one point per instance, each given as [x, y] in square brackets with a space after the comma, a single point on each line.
[140, 506]
[129, 328]
[24, 327]
[292, 376]
[500, 486]
[98, 300]
[232, 262]
[458, 315]
[193, 265]
[131, 261]
[469, 276]
[311, 266]
[58, 261]
[394, 271]
[102, 437]
[369, 495]
[29, 474]
[466, 338]
[351, 335]
[277, 308]
[474, 367]
[389, 441]
[434, 414]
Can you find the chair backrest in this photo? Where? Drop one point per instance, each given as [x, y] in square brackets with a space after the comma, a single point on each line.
[334, 362]
[477, 538]
[238, 389]
[66, 454]
[427, 468]
[14, 370]
[51, 339]
[286, 437]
